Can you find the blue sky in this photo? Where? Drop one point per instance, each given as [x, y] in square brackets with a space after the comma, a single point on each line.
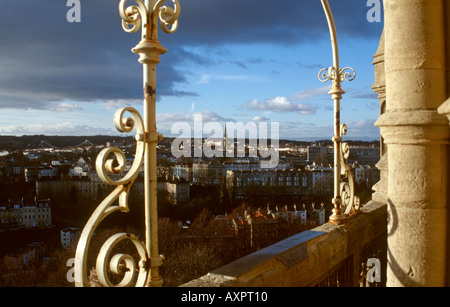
[248, 60]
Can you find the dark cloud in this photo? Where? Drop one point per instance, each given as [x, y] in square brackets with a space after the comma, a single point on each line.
[221, 22]
[45, 59]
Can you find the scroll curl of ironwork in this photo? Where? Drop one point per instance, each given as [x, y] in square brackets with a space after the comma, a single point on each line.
[105, 164]
[132, 15]
[327, 74]
[121, 264]
[347, 73]
[350, 203]
[111, 160]
[168, 16]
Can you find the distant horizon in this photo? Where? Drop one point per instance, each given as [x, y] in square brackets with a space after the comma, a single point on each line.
[305, 139]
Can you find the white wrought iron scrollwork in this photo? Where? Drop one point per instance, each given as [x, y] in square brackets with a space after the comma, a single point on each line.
[168, 17]
[135, 15]
[349, 201]
[110, 161]
[132, 15]
[345, 202]
[348, 74]
[105, 164]
[345, 74]
[327, 74]
[121, 264]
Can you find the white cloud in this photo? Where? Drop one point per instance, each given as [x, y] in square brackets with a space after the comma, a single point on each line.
[166, 121]
[362, 128]
[286, 104]
[280, 104]
[207, 116]
[260, 119]
[311, 93]
[65, 107]
[55, 129]
[112, 104]
[205, 79]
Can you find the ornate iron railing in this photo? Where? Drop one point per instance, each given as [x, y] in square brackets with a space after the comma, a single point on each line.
[345, 202]
[144, 15]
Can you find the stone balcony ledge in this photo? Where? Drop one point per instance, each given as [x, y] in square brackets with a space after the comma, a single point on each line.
[307, 258]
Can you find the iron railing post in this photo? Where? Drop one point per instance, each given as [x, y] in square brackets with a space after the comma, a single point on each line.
[343, 190]
[145, 15]
[149, 50]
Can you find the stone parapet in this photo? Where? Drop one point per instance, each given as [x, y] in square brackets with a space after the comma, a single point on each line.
[307, 258]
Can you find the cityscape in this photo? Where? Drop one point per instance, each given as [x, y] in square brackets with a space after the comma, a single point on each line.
[49, 192]
[209, 145]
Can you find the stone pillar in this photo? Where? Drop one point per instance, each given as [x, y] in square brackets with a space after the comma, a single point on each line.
[379, 87]
[417, 136]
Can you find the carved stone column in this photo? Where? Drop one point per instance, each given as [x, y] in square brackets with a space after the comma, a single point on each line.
[379, 87]
[417, 138]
